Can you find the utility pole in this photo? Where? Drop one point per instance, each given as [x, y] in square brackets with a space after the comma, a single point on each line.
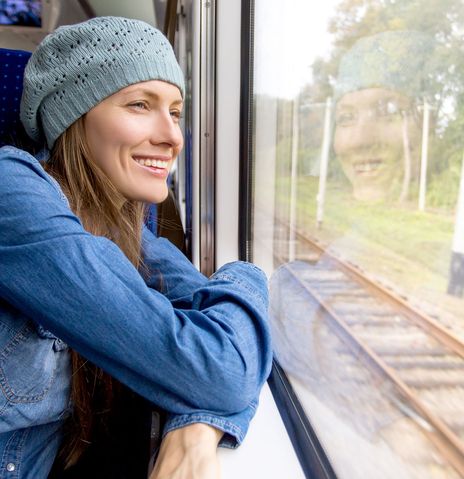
[424, 156]
[293, 180]
[324, 162]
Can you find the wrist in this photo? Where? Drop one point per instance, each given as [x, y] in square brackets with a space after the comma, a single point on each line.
[194, 435]
[190, 451]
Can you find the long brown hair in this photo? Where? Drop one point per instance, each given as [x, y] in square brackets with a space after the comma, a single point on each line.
[104, 212]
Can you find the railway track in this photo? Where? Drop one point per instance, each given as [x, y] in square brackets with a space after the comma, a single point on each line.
[423, 361]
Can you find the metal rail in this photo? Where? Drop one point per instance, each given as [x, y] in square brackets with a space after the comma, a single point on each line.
[444, 438]
[420, 318]
[439, 433]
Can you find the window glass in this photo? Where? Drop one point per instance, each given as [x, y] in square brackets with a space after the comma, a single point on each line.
[358, 144]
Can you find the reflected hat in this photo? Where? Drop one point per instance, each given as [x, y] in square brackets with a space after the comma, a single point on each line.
[77, 66]
[397, 60]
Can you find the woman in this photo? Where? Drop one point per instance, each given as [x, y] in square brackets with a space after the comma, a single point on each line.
[382, 80]
[78, 269]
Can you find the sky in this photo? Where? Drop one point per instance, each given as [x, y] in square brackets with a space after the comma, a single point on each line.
[289, 36]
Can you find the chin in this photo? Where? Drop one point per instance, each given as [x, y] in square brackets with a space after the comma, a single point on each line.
[149, 197]
[370, 193]
[159, 197]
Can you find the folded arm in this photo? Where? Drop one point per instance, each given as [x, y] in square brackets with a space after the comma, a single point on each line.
[204, 350]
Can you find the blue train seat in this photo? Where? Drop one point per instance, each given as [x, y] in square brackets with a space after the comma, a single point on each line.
[12, 64]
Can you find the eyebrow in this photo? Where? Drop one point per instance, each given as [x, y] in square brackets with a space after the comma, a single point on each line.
[151, 94]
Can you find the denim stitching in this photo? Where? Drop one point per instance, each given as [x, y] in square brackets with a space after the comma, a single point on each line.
[13, 449]
[245, 285]
[6, 388]
[26, 156]
[223, 423]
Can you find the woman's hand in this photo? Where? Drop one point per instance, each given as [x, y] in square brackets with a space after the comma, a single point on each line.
[189, 452]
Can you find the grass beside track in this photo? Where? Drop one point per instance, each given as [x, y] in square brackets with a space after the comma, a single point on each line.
[424, 238]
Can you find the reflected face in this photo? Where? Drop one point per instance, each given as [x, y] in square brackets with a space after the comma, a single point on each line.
[134, 136]
[374, 128]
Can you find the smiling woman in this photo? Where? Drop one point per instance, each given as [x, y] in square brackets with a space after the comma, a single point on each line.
[79, 269]
[375, 129]
[134, 136]
[381, 81]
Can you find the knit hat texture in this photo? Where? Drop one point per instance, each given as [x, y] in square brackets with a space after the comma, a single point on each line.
[398, 60]
[77, 66]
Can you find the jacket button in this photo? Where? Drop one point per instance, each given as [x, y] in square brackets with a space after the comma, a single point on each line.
[10, 467]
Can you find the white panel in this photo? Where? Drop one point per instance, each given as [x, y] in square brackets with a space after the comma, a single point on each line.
[266, 451]
[227, 129]
[196, 10]
[265, 138]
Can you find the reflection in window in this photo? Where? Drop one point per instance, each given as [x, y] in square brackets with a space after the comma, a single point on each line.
[359, 219]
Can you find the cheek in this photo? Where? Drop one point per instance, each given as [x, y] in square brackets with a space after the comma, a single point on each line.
[344, 154]
[99, 138]
[130, 130]
[178, 150]
[338, 142]
[179, 144]
[114, 133]
[108, 138]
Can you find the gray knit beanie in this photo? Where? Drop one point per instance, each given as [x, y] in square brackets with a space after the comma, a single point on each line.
[77, 66]
[398, 60]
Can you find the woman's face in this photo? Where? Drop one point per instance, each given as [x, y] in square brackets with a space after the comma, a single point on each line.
[134, 136]
[372, 128]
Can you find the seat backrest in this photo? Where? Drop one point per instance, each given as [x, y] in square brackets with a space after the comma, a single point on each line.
[12, 64]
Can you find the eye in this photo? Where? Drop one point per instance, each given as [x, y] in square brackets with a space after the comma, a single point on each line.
[139, 105]
[176, 114]
[346, 118]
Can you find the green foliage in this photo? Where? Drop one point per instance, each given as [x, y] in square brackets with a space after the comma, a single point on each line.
[423, 238]
[443, 21]
[443, 189]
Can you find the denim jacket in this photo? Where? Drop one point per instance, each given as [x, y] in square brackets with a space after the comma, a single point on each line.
[197, 347]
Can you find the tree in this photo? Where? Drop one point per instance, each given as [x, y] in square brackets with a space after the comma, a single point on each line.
[444, 22]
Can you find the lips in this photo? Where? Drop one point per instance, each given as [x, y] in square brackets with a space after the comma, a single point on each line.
[367, 167]
[157, 165]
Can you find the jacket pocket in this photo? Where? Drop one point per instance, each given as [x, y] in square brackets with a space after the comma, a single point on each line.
[28, 364]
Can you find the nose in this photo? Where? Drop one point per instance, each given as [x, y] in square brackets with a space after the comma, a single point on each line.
[359, 135]
[166, 130]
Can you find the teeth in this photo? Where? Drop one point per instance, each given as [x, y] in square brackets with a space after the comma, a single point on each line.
[367, 166]
[155, 163]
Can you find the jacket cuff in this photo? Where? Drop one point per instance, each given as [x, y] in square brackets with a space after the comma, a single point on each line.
[234, 427]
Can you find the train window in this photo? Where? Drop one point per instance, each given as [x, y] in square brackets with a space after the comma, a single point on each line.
[357, 127]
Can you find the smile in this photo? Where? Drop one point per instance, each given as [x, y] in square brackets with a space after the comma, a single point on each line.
[154, 163]
[368, 167]
[159, 167]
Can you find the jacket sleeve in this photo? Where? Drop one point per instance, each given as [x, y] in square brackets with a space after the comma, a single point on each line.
[166, 269]
[207, 350]
[169, 271]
